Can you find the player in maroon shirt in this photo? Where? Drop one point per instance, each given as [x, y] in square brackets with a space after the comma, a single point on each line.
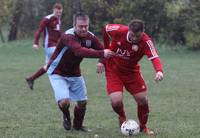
[64, 69]
[50, 27]
[130, 43]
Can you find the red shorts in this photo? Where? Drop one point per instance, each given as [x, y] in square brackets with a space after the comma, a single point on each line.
[133, 82]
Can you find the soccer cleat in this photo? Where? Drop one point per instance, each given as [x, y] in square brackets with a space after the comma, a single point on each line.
[147, 131]
[83, 129]
[30, 83]
[66, 124]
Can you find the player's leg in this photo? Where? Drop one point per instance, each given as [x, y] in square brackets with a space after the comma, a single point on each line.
[30, 79]
[79, 114]
[116, 99]
[61, 92]
[115, 92]
[143, 111]
[64, 105]
[78, 92]
[137, 87]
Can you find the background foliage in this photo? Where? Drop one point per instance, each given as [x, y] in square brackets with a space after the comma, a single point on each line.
[169, 21]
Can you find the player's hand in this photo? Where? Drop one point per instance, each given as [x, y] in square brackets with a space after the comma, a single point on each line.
[108, 53]
[159, 76]
[100, 67]
[35, 47]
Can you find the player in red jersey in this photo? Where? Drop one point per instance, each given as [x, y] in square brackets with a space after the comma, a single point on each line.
[130, 43]
[64, 69]
[50, 27]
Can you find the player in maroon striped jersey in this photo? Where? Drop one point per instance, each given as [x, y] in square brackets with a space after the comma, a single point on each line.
[64, 69]
[50, 27]
[130, 43]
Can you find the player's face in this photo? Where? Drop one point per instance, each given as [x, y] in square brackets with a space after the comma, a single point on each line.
[134, 37]
[57, 12]
[81, 27]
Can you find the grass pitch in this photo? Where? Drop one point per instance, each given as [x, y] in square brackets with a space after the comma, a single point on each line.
[174, 103]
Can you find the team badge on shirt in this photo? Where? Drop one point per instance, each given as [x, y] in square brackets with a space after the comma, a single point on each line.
[118, 43]
[135, 48]
[88, 43]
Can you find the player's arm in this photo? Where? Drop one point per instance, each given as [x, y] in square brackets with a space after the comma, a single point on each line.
[106, 37]
[109, 31]
[158, 68]
[100, 65]
[40, 29]
[96, 44]
[72, 43]
[153, 56]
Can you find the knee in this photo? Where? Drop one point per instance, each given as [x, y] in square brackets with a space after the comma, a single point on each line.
[116, 103]
[82, 104]
[116, 99]
[64, 103]
[142, 101]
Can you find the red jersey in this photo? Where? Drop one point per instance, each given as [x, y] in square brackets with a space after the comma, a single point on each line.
[71, 50]
[128, 54]
[50, 26]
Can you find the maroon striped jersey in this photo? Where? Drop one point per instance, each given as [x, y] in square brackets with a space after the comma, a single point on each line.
[50, 27]
[70, 51]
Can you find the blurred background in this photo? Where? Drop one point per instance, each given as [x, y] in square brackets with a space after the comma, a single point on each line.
[173, 22]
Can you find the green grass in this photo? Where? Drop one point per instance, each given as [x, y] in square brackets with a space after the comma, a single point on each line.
[24, 113]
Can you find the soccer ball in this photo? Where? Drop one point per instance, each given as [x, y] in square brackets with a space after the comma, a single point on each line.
[129, 128]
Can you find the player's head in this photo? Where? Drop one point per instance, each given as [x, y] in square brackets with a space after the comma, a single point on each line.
[136, 27]
[57, 10]
[81, 24]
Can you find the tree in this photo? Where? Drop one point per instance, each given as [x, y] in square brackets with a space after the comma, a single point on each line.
[5, 10]
[184, 25]
[76, 6]
[192, 25]
[14, 24]
[174, 21]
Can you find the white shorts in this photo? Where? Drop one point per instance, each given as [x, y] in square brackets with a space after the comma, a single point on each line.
[72, 88]
[48, 53]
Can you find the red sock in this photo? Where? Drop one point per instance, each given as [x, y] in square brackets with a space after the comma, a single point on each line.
[143, 113]
[37, 74]
[79, 114]
[119, 109]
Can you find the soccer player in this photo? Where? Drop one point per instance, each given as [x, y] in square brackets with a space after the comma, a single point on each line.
[64, 69]
[130, 43]
[50, 27]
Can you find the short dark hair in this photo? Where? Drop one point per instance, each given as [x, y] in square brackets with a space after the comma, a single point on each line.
[136, 25]
[80, 16]
[57, 6]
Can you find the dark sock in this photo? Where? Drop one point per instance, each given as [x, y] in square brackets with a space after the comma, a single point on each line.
[79, 113]
[66, 112]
